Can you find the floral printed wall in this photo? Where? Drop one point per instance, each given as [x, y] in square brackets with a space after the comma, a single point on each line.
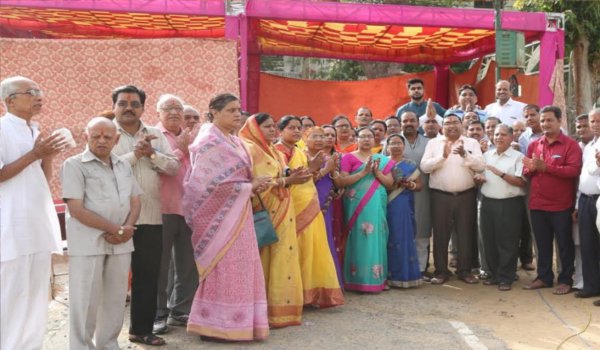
[77, 76]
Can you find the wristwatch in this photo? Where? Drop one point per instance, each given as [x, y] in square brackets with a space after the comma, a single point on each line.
[503, 175]
[121, 231]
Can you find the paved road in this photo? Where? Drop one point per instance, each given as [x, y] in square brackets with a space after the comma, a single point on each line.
[454, 316]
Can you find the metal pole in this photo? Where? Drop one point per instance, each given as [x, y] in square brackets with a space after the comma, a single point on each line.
[497, 28]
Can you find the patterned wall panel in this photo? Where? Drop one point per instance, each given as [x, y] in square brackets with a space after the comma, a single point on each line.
[77, 76]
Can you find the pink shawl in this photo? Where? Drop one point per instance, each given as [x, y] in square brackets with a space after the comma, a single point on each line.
[217, 191]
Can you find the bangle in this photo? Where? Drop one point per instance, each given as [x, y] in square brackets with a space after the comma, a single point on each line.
[283, 182]
[336, 174]
[412, 185]
[503, 175]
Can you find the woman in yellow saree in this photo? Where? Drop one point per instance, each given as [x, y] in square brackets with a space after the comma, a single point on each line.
[279, 260]
[319, 276]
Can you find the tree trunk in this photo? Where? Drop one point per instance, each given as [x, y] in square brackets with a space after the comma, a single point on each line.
[582, 75]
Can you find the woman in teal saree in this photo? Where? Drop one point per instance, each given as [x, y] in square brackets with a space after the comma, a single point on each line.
[366, 177]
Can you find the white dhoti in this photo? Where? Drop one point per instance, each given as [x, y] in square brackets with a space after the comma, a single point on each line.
[97, 293]
[24, 295]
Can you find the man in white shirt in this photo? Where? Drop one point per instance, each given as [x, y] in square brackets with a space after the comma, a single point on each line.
[149, 154]
[505, 108]
[502, 208]
[452, 161]
[29, 228]
[589, 191]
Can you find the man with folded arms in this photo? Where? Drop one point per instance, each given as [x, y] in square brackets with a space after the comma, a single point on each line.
[103, 199]
[553, 164]
[29, 229]
[452, 161]
[502, 208]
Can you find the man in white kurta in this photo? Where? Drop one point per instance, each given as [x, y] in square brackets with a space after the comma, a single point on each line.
[29, 228]
[104, 205]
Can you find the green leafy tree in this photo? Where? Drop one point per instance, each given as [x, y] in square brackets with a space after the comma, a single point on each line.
[582, 37]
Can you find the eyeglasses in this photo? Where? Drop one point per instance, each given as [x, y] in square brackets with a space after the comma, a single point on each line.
[172, 109]
[366, 136]
[395, 144]
[316, 137]
[188, 117]
[343, 126]
[31, 92]
[133, 104]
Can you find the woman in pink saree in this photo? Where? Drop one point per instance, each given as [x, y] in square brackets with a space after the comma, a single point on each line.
[230, 302]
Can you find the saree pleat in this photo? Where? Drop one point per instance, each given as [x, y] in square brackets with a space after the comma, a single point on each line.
[319, 276]
[280, 261]
[230, 302]
[365, 259]
[403, 262]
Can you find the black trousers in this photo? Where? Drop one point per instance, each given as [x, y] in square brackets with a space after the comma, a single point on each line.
[548, 225]
[500, 225]
[526, 245]
[589, 243]
[458, 211]
[145, 266]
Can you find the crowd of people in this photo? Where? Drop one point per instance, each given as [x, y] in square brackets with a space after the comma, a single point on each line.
[168, 211]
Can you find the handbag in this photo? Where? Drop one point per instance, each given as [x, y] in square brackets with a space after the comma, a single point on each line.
[265, 232]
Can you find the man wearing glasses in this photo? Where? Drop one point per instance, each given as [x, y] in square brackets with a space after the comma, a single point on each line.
[177, 266]
[149, 153]
[29, 228]
[452, 161]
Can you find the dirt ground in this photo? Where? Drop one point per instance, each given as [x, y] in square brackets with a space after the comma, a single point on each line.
[452, 316]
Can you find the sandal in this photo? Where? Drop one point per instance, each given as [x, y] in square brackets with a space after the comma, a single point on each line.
[148, 339]
[504, 287]
[562, 289]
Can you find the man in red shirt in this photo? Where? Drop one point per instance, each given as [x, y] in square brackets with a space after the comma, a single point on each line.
[553, 164]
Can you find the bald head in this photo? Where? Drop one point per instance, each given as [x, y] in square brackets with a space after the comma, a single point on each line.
[99, 122]
[101, 135]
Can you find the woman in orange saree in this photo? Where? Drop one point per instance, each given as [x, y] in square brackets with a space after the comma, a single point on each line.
[230, 302]
[279, 260]
[319, 276]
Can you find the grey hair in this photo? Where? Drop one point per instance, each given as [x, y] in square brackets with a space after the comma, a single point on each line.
[508, 128]
[7, 86]
[594, 111]
[189, 107]
[167, 97]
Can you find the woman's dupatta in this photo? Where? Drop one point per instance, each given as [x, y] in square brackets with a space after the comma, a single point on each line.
[304, 196]
[267, 161]
[385, 166]
[216, 195]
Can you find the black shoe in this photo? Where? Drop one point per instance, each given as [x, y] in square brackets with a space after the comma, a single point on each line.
[583, 294]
